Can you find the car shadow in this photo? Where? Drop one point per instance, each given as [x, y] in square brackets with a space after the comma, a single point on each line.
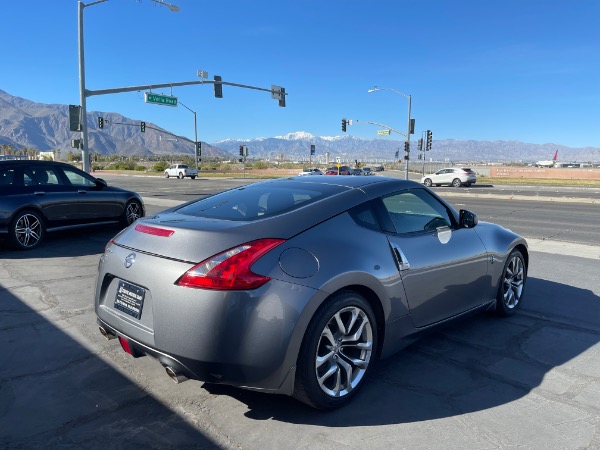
[54, 392]
[472, 365]
[75, 242]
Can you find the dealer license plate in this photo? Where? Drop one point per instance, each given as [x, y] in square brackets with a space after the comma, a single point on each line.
[130, 299]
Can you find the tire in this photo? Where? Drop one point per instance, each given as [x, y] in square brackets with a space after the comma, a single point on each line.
[27, 230]
[180, 176]
[166, 174]
[427, 182]
[512, 285]
[456, 183]
[193, 177]
[467, 184]
[333, 362]
[133, 211]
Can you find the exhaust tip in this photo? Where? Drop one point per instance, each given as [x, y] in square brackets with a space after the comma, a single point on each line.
[176, 377]
[106, 334]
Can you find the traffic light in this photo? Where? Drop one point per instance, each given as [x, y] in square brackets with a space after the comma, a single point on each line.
[397, 154]
[245, 151]
[429, 139]
[312, 150]
[241, 150]
[282, 98]
[100, 122]
[344, 121]
[198, 149]
[406, 147]
[143, 127]
[218, 87]
[420, 145]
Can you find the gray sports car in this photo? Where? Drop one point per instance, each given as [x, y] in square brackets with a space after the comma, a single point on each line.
[248, 287]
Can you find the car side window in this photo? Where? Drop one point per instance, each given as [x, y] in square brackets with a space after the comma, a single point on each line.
[43, 176]
[7, 176]
[415, 211]
[78, 179]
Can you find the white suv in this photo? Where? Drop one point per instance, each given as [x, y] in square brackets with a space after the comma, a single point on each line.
[454, 176]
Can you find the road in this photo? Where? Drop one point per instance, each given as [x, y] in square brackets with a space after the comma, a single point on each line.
[530, 381]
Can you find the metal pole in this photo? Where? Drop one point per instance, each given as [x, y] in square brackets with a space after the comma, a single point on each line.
[196, 139]
[83, 118]
[408, 139]
[423, 147]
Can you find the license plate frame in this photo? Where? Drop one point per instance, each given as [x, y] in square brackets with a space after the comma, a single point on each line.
[129, 299]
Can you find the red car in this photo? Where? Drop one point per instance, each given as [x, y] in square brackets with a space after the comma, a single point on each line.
[343, 170]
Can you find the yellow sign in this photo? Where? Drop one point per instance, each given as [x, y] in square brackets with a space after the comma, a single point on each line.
[339, 165]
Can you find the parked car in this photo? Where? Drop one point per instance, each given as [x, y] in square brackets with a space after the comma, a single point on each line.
[367, 171]
[242, 287]
[181, 171]
[38, 197]
[311, 171]
[378, 168]
[343, 170]
[454, 176]
[356, 172]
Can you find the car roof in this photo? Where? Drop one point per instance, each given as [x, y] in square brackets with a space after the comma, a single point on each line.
[25, 162]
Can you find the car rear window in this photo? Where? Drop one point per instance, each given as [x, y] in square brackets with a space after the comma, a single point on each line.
[259, 201]
[466, 169]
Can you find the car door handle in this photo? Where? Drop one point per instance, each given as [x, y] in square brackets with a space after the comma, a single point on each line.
[400, 258]
[39, 193]
[81, 191]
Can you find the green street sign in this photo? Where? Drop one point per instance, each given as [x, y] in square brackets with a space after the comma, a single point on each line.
[383, 132]
[158, 99]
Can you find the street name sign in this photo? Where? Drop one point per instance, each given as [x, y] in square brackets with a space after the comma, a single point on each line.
[158, 99]
[383, 132]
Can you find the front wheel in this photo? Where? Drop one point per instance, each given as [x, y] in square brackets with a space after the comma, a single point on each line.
[180, 176]
[512, 285]
[456, 183]
[133, 211]
[427, 182]
[166, 174]
[27, 230]
[338, 350]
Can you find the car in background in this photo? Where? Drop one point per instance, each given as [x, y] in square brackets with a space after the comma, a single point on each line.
[343, 170]
[311, 171]
[356, 172]
[181, 171]
[378, 168]
[242, 288]
[38, 197]
[452, 176]
[367, 171]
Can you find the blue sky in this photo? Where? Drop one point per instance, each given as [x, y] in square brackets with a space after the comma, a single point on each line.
[526, 70]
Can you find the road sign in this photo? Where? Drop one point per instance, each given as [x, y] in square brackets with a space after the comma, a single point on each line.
[158, 99]
[383, 132]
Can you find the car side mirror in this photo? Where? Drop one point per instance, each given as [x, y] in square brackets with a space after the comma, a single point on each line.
[100, 182]
[467, 219]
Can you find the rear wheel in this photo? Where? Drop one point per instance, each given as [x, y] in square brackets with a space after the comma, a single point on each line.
[166, 174]
[337, 352]
[510, 292]
[133, 211]
[193, 177]
[27, 230]
[456, 182]
[180, 176]
[427, 182]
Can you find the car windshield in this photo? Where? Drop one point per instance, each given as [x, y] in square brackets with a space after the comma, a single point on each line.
[259, 201]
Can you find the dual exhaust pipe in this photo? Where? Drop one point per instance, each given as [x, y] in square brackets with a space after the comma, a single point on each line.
[174, 375]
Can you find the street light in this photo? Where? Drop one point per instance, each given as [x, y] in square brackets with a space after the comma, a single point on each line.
[195, 135]
[408, 127]
[82, 92]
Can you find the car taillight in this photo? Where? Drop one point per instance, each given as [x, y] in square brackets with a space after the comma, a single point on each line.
[230, 270]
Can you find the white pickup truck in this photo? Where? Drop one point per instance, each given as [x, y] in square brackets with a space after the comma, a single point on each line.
[181, 171]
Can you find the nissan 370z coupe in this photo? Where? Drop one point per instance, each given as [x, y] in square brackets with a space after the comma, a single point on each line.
[243, 287]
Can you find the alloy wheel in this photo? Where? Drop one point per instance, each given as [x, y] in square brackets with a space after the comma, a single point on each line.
[514, 277]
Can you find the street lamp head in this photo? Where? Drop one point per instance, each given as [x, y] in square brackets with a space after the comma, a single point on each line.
[171, 7]
[375, 88]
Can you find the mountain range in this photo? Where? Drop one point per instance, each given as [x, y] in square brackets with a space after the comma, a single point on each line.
[27, 124]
